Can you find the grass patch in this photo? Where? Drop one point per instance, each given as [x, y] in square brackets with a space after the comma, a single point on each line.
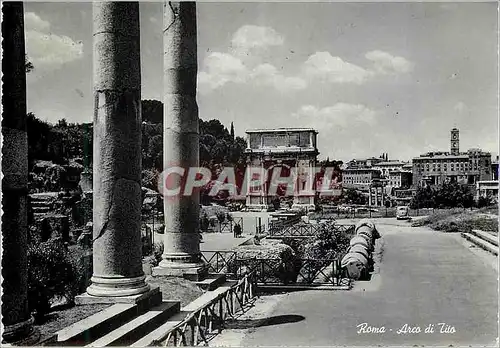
[458, 220]
[58, 320]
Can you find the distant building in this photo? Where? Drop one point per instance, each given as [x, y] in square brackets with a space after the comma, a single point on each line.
[436, 168]
[359, 178]
[393, 173]
[387, 167]
[287, 148]
[494, 169]
[399, 179]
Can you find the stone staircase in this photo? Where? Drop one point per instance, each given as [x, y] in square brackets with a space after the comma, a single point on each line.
[485, 240]
[134, 324]
[42, 203]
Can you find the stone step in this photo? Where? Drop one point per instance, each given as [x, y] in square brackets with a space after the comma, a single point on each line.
[41, 204]
[211, 282]
[481, 243]
[486, 236]
[43, 209]
[93, 327]
[155, 337]
[138, 327]
[209, 296]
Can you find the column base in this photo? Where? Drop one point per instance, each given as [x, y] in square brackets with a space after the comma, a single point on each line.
[153, 295]
[190, 271]
[117, 287]
[20, 334]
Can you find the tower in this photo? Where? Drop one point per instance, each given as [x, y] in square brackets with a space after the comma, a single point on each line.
[455, 141]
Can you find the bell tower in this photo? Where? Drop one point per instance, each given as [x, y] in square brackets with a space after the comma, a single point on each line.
[455, 141]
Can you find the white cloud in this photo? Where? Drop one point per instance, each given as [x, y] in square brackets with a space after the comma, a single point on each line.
[267, 74]
[248, 43]
[251, 39]
[385, 63]
[340, 115]
[221, 68]
[48, 51]
[324, 66]
[33, 22]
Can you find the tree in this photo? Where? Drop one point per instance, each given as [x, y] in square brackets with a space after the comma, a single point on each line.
[232, 130]
[354, 197]
[152, 111]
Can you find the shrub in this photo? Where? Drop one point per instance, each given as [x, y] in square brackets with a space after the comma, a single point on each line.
[157, 253]
[51, 272]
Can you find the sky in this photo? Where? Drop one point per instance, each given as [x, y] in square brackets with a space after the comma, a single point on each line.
[372, 78]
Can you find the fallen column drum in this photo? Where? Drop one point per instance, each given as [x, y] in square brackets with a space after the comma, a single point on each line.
[359, 249]
[359, 240]
[355, 265]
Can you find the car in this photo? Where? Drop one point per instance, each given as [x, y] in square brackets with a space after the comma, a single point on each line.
[403, 213]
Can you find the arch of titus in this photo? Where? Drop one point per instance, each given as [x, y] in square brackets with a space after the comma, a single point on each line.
[117, 274]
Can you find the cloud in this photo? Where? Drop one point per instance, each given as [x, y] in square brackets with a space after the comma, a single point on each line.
[340, 115]
[385, 63]
[236, 66]
[221, 68]
[252, 39]
[268, 75]
[324, 66]
[48, 51]
[33, 22]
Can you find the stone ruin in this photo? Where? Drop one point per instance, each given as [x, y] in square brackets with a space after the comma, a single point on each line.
[116, 197]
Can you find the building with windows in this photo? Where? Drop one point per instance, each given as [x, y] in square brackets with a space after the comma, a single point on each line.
[399, 179]
[436, 168]
[359, 178]
[286, 148]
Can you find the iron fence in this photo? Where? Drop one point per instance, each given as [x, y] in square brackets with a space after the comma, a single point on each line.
[220, 261]
[209, 319]
[305, 230]
[299, 271]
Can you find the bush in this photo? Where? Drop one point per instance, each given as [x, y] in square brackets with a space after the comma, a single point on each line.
[51, 272]
[157, 253]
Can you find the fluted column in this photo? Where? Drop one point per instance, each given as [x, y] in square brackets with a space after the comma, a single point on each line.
[16, 316]
[117, 163]
[181, 138]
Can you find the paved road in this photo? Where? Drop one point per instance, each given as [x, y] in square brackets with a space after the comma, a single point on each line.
[425, 277]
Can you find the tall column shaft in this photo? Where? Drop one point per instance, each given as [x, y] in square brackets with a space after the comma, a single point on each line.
[117, 164]
[15, 313]
[181, 135]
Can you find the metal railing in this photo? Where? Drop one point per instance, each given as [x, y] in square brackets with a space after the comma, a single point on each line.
[209, 319]
[299, 271]
[220, 261]
[304, 230]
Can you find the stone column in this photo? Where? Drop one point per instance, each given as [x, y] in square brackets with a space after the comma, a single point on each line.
[181, 139]
[16, 316]
[376, 196]
[117, 253]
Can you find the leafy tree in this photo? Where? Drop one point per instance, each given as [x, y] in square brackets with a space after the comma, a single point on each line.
[152, 111]
[352, 196]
